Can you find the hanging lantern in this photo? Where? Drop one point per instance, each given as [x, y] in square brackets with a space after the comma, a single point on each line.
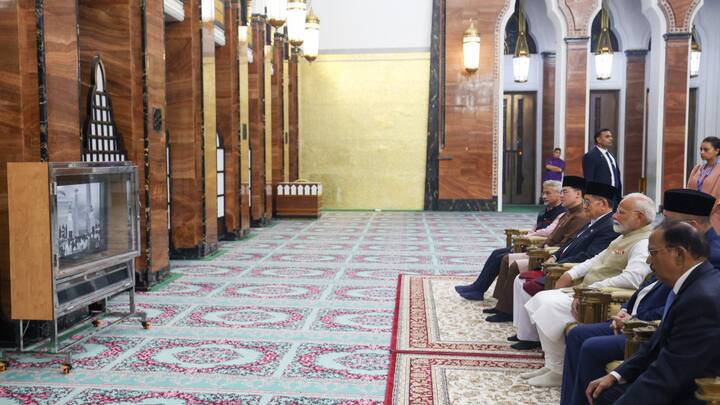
[311, 45]
[604, 51]
[521, 59]
[296, 21]
[695, 54]
[276, 12]
[471, 48]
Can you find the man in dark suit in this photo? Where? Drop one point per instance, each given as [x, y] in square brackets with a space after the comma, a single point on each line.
[600, 166]
[590, 347]
[590, 240]
[663, 371]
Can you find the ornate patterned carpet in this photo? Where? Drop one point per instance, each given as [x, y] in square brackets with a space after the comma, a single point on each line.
[443, 351]
[301, 313]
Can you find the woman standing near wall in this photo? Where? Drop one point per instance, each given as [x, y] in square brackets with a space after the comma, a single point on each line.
[705, 177]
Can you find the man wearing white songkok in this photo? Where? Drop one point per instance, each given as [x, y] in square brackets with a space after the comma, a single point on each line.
[622, 264]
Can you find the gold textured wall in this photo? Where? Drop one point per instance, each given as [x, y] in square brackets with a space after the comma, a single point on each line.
[363, 128]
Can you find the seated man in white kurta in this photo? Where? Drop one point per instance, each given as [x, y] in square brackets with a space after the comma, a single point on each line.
[622, 265]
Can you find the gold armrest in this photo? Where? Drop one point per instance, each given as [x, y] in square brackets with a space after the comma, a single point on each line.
[708, 389]
[552, 249]
[536, 240]
[511, 233]
[618, 295]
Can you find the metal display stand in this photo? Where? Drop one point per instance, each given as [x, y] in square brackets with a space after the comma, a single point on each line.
[93, 258]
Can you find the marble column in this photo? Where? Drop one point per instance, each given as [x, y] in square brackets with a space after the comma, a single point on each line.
[575, 103]
[677, 50]
[256, 99]
[293, 118]
[227, 71]
[548, 105]
[634, 119]
[278, 113]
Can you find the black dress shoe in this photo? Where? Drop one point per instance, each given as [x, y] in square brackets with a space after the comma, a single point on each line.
[526, 345]
[464, 288]
[472, 295]
[492, 310]
[499, 317]
[513, 338]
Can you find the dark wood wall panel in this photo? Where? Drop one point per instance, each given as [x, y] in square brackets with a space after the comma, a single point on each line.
[293, 119]
[470, 107]
[183, 94]
[61, 76]
[675, 120]
[548, 106]
[228, 118]
[256, 95]
[575, 101]
[112, 30]
[156, 142]
[634, 120]
[19, 117]
[278, 113]
[209, 130]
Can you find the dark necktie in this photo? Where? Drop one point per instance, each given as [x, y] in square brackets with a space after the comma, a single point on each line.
[612, 161]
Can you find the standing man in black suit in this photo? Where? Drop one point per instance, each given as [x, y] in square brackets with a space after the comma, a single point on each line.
[685, 346]
[600, 166]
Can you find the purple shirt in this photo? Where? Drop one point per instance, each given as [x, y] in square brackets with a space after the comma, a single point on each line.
[550, 175]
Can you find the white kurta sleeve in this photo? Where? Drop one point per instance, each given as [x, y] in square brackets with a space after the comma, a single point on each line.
[635, 271]
[583, 268]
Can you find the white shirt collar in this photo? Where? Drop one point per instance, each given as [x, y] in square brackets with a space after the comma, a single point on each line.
[592, 221]
[603, 150]
[679, 283]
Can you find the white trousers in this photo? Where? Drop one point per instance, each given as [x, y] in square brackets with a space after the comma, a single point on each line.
[550, 311]
[521, 320]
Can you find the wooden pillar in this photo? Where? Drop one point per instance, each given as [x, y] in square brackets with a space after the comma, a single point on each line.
[209, 131]
[245, 177]
[61, 79]
[293, 118]
[19, 110]
[278, 113]
[184, 123]
[634, 119]
[157, 248]
[113, 30]
[268, 58]
[575, 104]
[548, 105]
[256, 90]
[468, 151]
[578, 16]
[228, 120]
[677, 50]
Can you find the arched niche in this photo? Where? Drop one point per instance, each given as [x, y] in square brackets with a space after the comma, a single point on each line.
[540, 134]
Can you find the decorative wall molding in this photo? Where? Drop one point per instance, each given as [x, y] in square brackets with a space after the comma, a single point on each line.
[578, 16]
[679, 14]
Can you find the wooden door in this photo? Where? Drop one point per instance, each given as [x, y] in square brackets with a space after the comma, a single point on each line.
[519, 141]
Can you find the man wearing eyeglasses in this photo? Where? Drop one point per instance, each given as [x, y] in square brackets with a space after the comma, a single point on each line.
[621, 265]
[590, 347]
[685, 346]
